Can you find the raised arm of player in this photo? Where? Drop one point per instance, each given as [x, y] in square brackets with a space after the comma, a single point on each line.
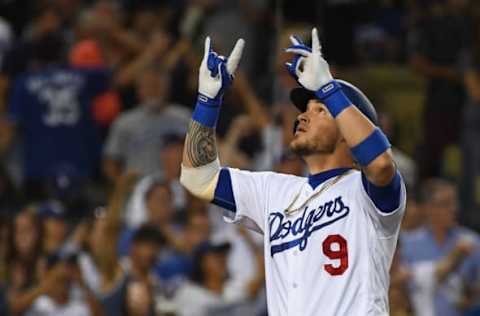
[369, 145]
[200, 165]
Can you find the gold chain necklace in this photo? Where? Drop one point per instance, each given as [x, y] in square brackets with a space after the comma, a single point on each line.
[325, 187]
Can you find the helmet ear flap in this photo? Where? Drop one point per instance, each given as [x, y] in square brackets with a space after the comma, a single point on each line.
[295, 125]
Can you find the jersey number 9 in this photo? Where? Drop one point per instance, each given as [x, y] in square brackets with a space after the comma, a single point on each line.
[339, 252]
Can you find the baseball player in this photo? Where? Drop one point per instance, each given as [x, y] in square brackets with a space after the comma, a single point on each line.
[330, 237]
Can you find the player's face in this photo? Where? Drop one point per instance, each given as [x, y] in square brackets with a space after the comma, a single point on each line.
[316, 132]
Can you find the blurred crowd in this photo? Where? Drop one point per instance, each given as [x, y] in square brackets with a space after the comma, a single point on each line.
[95, 101]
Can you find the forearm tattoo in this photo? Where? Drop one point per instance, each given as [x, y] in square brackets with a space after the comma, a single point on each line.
[201, 145]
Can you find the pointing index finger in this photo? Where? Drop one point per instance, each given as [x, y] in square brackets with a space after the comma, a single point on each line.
[315, 41]
[207, 48]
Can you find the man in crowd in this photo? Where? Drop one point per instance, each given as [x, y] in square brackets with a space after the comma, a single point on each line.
[135, 140]
[436, 253]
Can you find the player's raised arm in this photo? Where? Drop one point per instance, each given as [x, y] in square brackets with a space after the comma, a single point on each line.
[369, 146]
[200, 165]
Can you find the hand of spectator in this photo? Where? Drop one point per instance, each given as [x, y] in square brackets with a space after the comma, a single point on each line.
[241, 126]
[76, 274]
[400, 276]
[127, 180]
[53, 276]
[190, 23]
[80, 234]
[464, 247]
[160, 42]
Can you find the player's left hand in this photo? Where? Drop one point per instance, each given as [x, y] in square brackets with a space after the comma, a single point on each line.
[308, 66]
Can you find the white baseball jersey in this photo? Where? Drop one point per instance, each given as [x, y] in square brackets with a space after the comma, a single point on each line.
[330, 258]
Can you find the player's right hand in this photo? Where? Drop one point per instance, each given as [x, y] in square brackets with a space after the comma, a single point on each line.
[216, 72]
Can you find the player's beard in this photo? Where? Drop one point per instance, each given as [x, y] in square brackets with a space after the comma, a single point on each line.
[313, 146]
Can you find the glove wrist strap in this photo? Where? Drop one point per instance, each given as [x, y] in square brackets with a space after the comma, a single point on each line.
[207, 110]
[332, 96]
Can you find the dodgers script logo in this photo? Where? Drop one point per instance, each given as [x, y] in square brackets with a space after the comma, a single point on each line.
[303, 226]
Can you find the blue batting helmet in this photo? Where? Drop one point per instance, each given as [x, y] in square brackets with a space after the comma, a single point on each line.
[301, 96]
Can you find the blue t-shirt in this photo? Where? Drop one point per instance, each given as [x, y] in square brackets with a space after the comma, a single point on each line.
[52, 108]
[420, 246]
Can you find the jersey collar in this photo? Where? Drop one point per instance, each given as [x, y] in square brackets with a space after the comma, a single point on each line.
[316, 179]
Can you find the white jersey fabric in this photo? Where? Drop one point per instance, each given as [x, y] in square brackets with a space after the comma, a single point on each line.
[330, 258]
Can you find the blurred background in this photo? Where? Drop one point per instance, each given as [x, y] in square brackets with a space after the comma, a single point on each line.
[95, 98]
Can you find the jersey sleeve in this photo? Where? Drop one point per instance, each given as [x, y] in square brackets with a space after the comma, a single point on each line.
[250, 194]
[248, 197]
[387, 220]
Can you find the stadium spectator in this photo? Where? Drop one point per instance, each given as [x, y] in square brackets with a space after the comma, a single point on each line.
[470, 300]
[139, 300]
[24, 261]
[223, 18]
[400, 304]
[198, 226]
[155, 202]
[170, 158]
[208, 292]
[55, 226]
[135, 140]
[435, 253]
[60, 298]
[235, 254]
[45, 20]
[142, 257]
[50, 109]
[98, 259]
[437, 46]
[87, 54]
[414, 216]
[110, 278]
